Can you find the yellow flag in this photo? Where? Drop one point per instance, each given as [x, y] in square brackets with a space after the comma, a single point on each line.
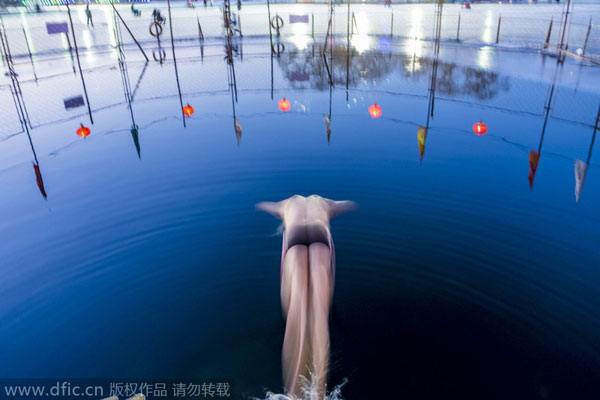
[421, 135]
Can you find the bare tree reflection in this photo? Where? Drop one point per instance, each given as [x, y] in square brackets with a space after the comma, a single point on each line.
[452, 80]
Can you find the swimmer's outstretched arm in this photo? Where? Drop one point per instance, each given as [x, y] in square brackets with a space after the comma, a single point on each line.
[273, 208]
[338, 207]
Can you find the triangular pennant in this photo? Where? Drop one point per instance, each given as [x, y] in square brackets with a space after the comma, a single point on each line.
[534, 159]
[580, 172]
[39, 180]
[421, 136]
[327, 122]
[238, 130]
[136, 140]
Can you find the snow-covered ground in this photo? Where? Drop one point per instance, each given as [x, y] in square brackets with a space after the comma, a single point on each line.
[51, 74]
[521, 25]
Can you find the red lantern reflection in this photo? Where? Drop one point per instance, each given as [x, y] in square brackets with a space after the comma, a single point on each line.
[480, 128]
[83, 131]
[188, 110]
[375, 111]
[284, 105]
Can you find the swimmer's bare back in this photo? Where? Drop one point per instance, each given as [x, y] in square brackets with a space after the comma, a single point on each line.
[307, 277]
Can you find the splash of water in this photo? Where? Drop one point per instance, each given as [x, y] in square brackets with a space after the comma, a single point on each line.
[309, 392]
[279, 231]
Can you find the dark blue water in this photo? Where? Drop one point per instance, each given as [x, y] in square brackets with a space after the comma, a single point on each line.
[454, 279]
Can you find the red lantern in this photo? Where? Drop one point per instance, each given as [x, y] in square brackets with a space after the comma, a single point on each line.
[188, 110]
[83, 131]
[375, 111]
[284, 105]
[480, 128]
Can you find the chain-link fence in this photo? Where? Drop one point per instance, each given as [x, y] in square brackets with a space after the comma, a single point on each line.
[49, 71]
[364, 73]
[517, 26]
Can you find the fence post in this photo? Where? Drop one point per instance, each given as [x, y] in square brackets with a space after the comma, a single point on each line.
[547, 41]
[68, 41]
[8, 55]
[458, 28]
[175, 61]
[270, 36]
[29, 52]
[587, 37]
[564, 54]
[498, 31]
[392, 25]
[129, 31]
[87, 100]
[313, 25]
[200, 34]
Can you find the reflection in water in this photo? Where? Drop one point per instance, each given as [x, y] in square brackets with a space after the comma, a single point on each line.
[580, 172]
[232, 48]
[83, 131]
[39, 180]
[484, 57]
[312, 65]
[110, 21]
[327, 117]
[361, 43]
[486, 35]
[20, 105]
[307, 281]
[237, 126]
[421, 136]
[413, 43]
[580, 166]
[375, 111]
[284, 105]
[327, 122]
[127, 86]
[452, 80]
[534, 156]
[175, 66]
[402, 243]
[301, 41]
[433, 80]
[188, 110]
[28, 43]
[136, 140]
[534, 159]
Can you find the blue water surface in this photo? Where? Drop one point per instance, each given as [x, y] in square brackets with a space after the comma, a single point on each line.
[455, 278]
